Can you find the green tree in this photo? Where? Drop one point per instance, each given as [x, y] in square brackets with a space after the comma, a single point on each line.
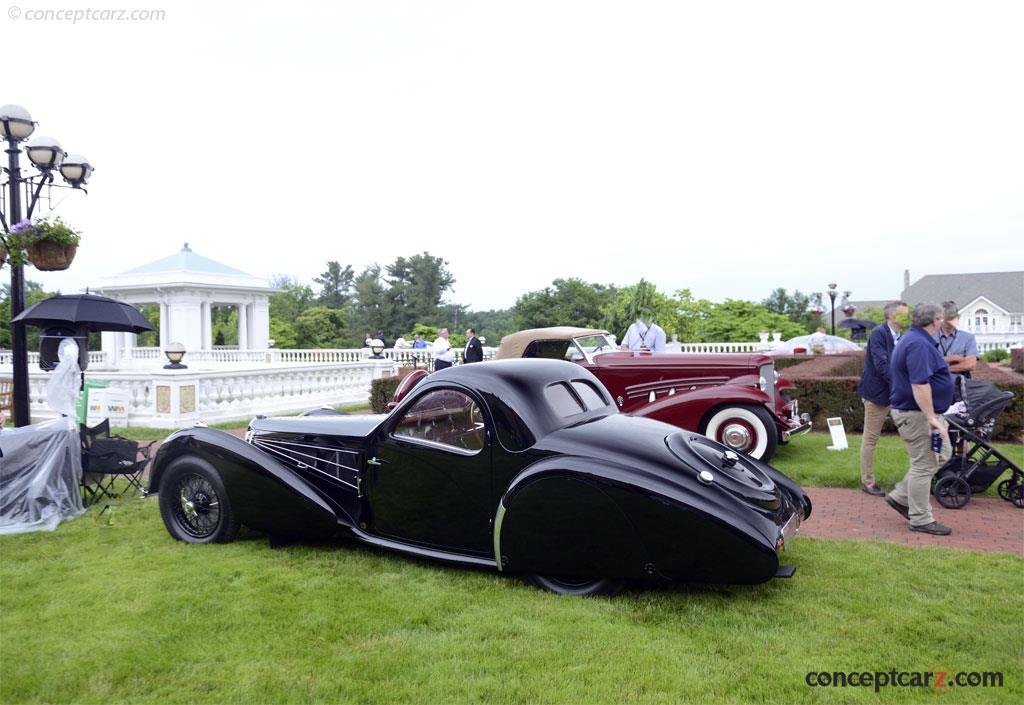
[641, 300]
[335, 285]
[567, 302]
[795, 307]
[372, 308]
[741, 321]
[320, 327]
[34, 293]
[493, 324]
[416, 289]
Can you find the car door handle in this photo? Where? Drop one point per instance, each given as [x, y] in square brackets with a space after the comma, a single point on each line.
[375, 461]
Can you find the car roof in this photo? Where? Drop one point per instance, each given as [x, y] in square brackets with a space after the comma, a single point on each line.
[515, 344]
[520, 384]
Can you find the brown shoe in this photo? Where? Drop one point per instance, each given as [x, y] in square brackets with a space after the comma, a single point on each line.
[935, 528]
[903, 510]
[873, 490]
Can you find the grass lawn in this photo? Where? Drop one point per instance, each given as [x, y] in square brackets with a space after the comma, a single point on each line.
[109, 613]
[807, 460]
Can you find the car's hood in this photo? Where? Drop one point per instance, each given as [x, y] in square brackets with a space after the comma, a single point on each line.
[732, 362]
[350, 425]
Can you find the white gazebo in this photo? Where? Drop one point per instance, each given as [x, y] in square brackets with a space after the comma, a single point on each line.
[187, 286]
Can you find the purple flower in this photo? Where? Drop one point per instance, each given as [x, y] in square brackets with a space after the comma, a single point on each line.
[22, 224]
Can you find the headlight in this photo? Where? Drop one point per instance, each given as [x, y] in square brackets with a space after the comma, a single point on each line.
[777, 375]
[763, 384]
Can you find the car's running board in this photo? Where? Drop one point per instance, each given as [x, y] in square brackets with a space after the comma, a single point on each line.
[422, 552]
[785, 571]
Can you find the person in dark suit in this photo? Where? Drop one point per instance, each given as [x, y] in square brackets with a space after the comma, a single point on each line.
[874, 388]
[474, 348]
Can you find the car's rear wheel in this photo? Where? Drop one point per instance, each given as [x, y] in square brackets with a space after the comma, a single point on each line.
[579, 587]
[747, 429]
[194, 504]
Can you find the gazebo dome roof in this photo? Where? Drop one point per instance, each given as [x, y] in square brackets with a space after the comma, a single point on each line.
[186, 261]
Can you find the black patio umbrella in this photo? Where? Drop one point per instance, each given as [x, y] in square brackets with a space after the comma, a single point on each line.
[857, 323]
[85, 311]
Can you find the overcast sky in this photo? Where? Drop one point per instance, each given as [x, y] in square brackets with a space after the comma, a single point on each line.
[728, 147]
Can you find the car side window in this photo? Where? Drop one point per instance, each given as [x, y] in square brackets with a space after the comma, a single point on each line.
[562, 400]
[590, 395]
[446, 417]
[552, 350]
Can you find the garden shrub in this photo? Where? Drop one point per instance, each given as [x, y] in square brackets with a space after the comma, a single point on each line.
[826, 386]
[382, 390]
[997, 355]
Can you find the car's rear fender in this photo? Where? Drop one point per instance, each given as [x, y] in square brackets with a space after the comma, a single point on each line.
[576, 516]
[265, 494]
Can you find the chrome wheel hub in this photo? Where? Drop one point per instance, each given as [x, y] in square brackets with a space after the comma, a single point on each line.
[189, 507]
[736, 436]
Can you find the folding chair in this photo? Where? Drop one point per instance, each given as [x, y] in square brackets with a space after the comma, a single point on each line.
[106, 458]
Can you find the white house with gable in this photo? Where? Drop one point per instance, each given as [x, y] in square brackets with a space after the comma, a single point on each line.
[991, 304]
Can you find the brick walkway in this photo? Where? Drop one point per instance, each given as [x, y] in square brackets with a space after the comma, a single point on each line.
[985, 524]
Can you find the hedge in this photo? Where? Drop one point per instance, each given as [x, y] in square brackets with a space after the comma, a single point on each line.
[382, 390]
[826, 386]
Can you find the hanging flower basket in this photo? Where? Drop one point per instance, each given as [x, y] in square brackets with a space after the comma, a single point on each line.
[47, 246]
[51, 256]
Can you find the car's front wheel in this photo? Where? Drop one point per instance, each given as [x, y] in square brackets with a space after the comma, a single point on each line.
[748, 429]
[194, 504]
[579, 587]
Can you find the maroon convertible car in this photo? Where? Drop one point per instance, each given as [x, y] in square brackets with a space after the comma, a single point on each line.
[736, 399]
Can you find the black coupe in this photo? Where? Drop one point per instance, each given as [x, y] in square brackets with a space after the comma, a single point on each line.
[523, 466]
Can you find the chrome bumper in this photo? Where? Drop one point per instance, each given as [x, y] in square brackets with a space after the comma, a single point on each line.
[804, 427]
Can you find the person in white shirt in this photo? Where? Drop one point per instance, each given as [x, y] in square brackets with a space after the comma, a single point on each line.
[643, 336]
[444, 356]
[401, 343]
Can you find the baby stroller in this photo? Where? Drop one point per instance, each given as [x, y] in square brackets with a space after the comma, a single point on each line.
[975, 464]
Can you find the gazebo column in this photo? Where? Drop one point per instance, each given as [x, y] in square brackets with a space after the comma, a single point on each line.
[164, 322]
[243, 326]
[207, 322]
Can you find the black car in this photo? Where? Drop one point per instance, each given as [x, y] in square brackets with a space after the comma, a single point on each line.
[524, 466]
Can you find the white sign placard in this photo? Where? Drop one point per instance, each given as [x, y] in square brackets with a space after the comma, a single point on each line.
[835, 427]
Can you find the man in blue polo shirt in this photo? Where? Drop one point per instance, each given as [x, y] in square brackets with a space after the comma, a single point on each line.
[922, 389]
[958, 347]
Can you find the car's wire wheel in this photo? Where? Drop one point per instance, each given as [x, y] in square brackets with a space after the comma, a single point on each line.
[194, 504]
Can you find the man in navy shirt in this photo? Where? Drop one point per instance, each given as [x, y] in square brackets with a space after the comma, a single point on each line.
[922, 389]
[874, 389]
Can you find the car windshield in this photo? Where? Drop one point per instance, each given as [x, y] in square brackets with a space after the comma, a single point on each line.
[592, 345]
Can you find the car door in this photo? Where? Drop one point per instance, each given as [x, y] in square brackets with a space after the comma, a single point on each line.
[429, 478]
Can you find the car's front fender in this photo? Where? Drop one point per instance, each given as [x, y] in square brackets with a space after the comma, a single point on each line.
[687, 409]
[264, 493]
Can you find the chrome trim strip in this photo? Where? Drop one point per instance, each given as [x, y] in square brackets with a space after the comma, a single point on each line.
[286, 456]
[275, 448]
[498, 519]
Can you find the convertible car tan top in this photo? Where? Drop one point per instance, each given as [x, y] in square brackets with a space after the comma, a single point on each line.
[514, 344]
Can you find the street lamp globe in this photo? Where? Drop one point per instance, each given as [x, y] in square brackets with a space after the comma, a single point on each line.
[15, 122]
[45, 152]
[76, 170]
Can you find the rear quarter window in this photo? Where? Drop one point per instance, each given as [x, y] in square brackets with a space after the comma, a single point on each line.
[562, 400]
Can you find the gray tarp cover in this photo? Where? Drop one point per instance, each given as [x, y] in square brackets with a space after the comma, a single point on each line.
[40, 473]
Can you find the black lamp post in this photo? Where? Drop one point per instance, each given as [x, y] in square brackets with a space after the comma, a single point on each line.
[46, 154]
[832, 296]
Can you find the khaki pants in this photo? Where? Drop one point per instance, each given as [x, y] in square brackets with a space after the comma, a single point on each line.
[914, 489]
[874, 418]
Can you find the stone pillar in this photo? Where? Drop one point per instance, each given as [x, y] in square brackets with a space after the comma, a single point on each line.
[243, 327]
